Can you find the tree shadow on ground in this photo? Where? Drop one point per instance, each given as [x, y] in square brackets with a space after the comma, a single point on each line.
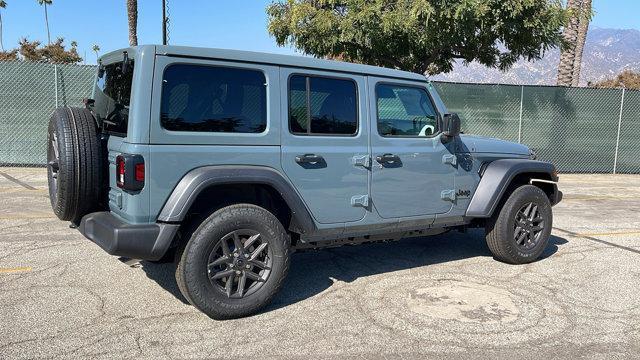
[312, 272]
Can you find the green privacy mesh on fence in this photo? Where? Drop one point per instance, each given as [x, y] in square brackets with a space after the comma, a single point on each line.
[572, 126]
[29, 92]
[628, 160]
[579, 129]
[487, 110]
[575, 128]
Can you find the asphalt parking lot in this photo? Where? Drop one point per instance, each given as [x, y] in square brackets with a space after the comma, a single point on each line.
[63, 297]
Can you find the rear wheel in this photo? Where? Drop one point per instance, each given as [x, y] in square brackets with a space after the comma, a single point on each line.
[234, 262]
[519, 232]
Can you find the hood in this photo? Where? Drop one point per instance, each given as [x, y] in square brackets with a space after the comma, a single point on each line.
[481, 144]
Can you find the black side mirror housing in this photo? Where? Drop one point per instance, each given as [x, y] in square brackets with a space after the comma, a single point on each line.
[451, 125]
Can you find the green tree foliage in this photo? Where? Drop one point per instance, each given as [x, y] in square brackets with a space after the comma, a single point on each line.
[11, 55]
[30, 50]
[423, 36]
[96, 49]
[626, 79]
[54, 53]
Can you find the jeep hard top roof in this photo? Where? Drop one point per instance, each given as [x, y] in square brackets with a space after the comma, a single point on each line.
[272, 59]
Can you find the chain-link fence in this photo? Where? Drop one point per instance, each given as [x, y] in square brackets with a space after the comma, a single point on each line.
[578, 129]
[29, 92]
[582, 130]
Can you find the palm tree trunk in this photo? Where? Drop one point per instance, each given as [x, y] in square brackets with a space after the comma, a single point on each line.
[46, 20]
[132, 15]
[583, 29]
[1, 44]
[567, 54]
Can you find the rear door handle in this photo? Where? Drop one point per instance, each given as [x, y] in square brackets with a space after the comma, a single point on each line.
[388, 159]
[309, 159]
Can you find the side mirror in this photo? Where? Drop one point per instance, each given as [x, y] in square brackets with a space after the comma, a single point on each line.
[451, 125]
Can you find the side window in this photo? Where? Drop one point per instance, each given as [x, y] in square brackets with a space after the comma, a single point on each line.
[322, 106]
[213, 99]
[405, 111]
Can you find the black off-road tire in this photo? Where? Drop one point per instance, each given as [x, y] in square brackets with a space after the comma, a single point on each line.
[192, 273]
[75, 163]
[501, 227]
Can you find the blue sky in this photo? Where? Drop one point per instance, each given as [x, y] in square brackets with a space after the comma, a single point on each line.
[234, 24]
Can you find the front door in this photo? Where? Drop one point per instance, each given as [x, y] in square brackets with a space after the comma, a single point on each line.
[413, 170]
[325, 142]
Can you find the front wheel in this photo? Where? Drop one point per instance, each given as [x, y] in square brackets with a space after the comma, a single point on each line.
[519, 232]
[234, 262]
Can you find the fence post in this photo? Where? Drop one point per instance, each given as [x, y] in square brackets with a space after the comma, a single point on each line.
[520, 120]
[615, 157]
[55, 82]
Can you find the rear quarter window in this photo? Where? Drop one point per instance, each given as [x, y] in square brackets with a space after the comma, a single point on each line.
[322, 106]
[213, 99]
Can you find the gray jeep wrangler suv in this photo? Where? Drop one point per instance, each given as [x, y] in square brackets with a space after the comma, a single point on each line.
[230, 160]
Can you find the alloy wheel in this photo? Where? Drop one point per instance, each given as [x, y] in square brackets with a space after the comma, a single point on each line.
[528, 227]
[240, 263]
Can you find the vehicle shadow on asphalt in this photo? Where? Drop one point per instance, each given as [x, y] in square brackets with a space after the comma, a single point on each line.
[314, 271]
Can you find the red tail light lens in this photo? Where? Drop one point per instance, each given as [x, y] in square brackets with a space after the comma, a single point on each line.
[140, 172]
[120, 171]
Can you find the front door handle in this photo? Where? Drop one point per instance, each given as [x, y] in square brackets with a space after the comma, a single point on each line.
[388, 159]
[309, 159]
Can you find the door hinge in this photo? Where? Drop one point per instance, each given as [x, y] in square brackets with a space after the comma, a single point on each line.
[450, 159]
[360, 201]
[361, 160]
[448, 195]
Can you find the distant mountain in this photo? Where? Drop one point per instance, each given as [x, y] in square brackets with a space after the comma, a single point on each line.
[607, 53]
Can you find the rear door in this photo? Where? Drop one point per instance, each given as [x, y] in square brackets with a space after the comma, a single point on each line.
[413, 169]
[324, 141]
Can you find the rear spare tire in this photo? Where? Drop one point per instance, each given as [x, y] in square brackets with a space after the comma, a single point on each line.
[75, 164]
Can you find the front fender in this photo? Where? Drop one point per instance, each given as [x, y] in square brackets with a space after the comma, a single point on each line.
[496, 179]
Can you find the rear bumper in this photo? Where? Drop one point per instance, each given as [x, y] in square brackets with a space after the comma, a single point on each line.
[136, 241]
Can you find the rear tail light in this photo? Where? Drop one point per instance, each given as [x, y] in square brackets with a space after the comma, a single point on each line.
[130, 172]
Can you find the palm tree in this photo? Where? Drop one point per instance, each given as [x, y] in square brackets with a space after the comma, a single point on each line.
[132, 15]
[583, 29]
[46, 17]
[567, 54]
[96, 49]
[3, 5]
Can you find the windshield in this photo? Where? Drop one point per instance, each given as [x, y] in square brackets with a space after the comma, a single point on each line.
[112, 94]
